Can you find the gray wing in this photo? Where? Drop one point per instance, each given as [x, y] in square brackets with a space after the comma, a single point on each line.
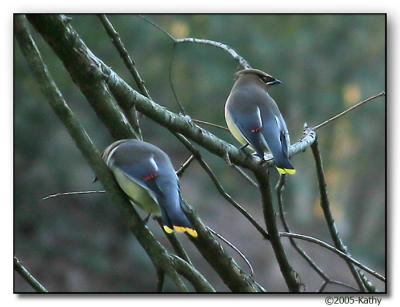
[250, 125]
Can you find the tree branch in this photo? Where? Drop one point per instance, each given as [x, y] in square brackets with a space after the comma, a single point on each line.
[196, 154]
[130, 64]
[279, 188]
[28, 277]
[154, 249]
[241, 61]
[184, 166]
[191, 274]
[348, 110]
[328, 215]
[270, 221]
[341, 254]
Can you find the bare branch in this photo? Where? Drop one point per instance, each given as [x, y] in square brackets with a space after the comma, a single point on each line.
[165, 32]
[191, 274]
[245, 176]
[279, 188]
[160, 280]
[154, 249]
[171, 83]
[348, 110]
[176, 244]
[221, 190]
[343, 255]
[241, 61]
[328, 214]
[235, 249]
[270, 221]
[131, 65]
[129, 62]
[184, 166]
[72, 193]
[210, 124]
[29, 278]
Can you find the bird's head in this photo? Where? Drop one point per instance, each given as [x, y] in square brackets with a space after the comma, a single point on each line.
[263, 76]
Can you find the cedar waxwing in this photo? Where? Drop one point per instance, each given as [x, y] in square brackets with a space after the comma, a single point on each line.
[145, 173]
[253, 117]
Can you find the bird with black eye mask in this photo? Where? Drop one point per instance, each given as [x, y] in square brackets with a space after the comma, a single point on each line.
[254, 118]
[146, 175]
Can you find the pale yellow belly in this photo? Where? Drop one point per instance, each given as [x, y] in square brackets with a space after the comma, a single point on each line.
[233, 129]
[137, 193]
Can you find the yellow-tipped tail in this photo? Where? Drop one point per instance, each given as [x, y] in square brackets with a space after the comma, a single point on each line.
[167, 229]
[188, 230]
[283, 171]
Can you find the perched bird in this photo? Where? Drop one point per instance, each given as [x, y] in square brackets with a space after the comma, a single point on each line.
[145, 173]
[254, 118]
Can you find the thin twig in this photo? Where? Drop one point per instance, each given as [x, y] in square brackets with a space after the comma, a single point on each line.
[244, 175]
[218, 185]
[235, 249]
[210, 124]
[29, 278]
[184, 166]
[129, 62]
[279, 188]
[72, 193]
[343, 284]
[333, 249]
[348, 110]
[325, 206]
[176, 244]
[241, 61]
[323, 286]
[193, 275]
[158, 27]
[131, 65]
[171, 83]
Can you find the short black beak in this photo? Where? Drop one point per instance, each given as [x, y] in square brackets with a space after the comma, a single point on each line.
[276, 81]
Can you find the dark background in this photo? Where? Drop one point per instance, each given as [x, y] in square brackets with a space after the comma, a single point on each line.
[327, 63]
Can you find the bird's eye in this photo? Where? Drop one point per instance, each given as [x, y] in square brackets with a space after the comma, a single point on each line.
[268, 79]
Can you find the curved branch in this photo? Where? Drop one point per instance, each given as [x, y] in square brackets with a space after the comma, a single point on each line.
[241, 61]
[235, 249]
[237, 57]
[341, 254]
[279, 188]
[191, 274]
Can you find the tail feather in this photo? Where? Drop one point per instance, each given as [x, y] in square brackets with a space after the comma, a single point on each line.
[178, 221]
[285, 167]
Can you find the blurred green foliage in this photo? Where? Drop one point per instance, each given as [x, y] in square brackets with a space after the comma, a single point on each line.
[327, 63]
